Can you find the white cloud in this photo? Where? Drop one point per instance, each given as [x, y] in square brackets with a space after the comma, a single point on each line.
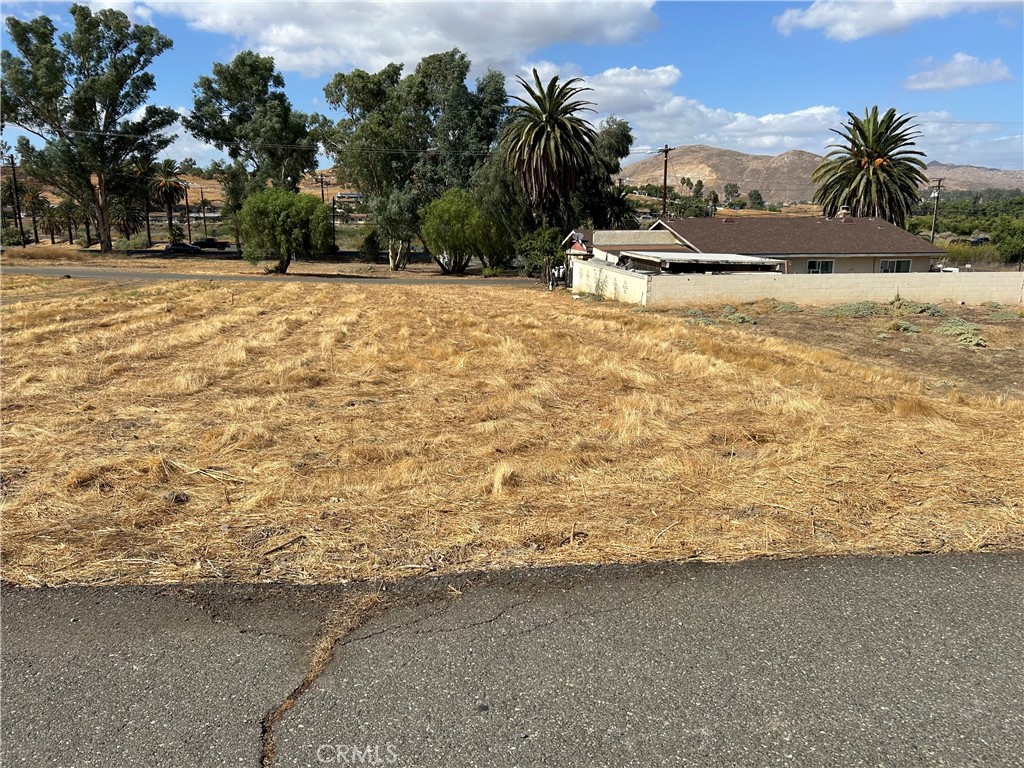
[317, 38]
[959, 72]
[843, 20]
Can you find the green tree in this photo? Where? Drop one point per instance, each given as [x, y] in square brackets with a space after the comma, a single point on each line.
[283, 224]
[452, 229]
[541, 250]
[405, 140]
[51, 222]
[731, 192]
[141, 170]
[168, 187]
[596, 199]
[547, 144]
[34, 200]
[505, 214]
[1008, 236]
[873, 171]
[243, 110]
[80, 93]
[756, 199]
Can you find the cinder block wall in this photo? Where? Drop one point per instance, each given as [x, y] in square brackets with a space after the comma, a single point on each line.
[967, 287]
[600, 278]
[674, 290]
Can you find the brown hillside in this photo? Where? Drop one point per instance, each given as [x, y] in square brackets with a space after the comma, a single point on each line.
[785, 178]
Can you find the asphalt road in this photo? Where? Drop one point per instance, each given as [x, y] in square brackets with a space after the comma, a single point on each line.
[301, 273]
[829, 662]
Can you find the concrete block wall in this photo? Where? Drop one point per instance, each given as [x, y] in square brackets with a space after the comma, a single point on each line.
[967, 287]
[601, 278]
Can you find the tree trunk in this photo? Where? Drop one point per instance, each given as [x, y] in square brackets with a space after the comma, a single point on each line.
[35, 229]
[149, 235]
[53, 240]
[88, 233]
[71, 240]
[281, 267]
[398, 254]
[102, 216]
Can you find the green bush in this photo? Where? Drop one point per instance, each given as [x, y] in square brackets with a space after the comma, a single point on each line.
[907, 307]
[370, 249]
[493, 271]
[858, 309]
[137, 243]
[955, 326]
[540, 250]
[11, 236]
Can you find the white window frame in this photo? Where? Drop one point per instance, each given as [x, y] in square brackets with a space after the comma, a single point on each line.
[884, 263]
[817, 270]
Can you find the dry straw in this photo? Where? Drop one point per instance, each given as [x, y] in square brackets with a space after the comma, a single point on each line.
[306, 433]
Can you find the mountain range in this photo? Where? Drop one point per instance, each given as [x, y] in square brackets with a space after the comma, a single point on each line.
[784, 178]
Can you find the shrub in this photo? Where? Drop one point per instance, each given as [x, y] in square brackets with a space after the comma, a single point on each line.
[493, 271]
[902, 326]
[906, 307]
[858, 309]
[369, 249]
[11, 236]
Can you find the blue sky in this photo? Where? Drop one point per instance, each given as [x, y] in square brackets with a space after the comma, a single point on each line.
[758, 77]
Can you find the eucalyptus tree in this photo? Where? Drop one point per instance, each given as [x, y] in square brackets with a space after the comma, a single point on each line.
[242, 109]
[547, 143]
[84, 93]
[873, 171]
[404, 141]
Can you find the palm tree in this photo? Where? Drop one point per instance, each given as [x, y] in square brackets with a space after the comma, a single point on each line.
[35, 202]
[68, 212]
[143, 169]
[547, 144]
[874, 172]
[51, 222]
[169, 189]
[128, 218]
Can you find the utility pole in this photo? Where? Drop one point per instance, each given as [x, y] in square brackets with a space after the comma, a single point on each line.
[935, 210]
[320, 178]
[664, 183]
[17, 201]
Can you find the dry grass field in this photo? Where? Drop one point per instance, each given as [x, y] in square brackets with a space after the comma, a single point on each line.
[202, 431]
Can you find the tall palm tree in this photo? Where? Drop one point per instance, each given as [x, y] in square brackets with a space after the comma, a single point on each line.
[35, 202]
[68, 212]
[52, 222]
[127, 217]
[168, 187]
[873, 172]
[547, 144]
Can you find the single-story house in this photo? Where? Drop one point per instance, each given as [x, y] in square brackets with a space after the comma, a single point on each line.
[578, 243]
[656, 251]
[809, 245]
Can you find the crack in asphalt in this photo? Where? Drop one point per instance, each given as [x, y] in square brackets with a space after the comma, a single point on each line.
[338, 627]
[338, 624]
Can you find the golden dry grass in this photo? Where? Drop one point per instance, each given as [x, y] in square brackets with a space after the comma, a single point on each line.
[318, 433]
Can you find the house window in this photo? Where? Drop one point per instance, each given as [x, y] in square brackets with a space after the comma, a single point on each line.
[894, 265]
[820, 267]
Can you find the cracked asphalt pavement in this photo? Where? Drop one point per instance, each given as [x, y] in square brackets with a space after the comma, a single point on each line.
[845, 662]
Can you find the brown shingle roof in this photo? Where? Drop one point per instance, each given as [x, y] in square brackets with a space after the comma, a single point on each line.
[793, 235]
